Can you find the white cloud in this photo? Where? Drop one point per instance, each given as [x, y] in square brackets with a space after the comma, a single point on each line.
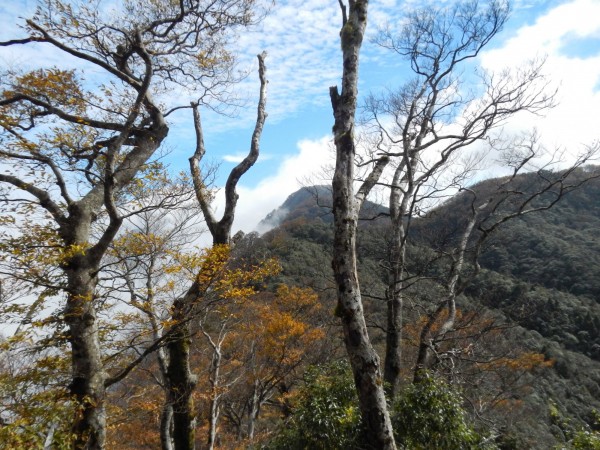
[301, 38]
[301, 68]
[302, 41]
[256, 202]
[237, 158]
[574, 121]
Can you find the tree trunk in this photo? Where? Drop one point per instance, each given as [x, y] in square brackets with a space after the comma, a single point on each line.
[427, 357]
[166, 416]
[212, 423]
[87, 385]
[214, 399]
[253, 411]
[401, 198]
[427, 339]
[363, 358]
[394, 297]
[181, 381]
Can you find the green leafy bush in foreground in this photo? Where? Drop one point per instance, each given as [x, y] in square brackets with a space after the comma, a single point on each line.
[429, 415]
[325, 413]
[326, 416]
[576, 437]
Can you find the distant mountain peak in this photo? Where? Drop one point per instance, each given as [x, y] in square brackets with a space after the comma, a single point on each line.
[311, 203]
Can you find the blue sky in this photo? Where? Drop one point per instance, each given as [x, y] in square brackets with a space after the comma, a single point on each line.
[301, 38]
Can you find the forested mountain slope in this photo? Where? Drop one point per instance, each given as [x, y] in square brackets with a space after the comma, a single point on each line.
[540, 280]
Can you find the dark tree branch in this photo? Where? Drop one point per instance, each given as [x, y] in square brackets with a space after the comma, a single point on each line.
[41, 195]
[221, 229]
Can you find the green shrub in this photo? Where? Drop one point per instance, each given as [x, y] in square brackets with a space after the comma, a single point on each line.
[429, 416]
[325, 412]
[577, 437]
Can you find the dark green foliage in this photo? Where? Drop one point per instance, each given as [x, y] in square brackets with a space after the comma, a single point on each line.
[325, 413]
[429, 416]
[507, 440]
[571, 320]
[560, 254]
[325, 416]
[304, 252]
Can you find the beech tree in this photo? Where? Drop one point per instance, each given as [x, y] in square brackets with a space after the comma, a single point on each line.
[180, 379]
[73, 149]
[346, 205]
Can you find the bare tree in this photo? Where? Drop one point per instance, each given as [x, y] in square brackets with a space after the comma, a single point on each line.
[426, 125]
[346, 205]
[216, 384]
[74, 151]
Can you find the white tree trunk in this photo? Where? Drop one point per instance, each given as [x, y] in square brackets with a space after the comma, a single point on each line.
[363, 358]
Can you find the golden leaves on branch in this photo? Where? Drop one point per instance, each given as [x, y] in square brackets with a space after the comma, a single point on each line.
[55, 86]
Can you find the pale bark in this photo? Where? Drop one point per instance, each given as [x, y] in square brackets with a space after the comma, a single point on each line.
[395, 304]
[166, 426]
[253, 410]
[363, 358]
[215, 384]
[221, 229]
[50, 436]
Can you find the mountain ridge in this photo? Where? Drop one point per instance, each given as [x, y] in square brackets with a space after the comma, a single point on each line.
[313, 203]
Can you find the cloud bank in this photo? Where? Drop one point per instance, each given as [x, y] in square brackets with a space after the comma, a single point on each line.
[574, 121]
[294, 172]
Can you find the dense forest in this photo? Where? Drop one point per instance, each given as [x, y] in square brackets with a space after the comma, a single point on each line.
[448, 315]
